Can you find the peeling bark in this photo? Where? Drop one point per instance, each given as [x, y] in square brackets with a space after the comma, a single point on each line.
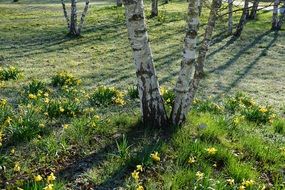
[153, 111]
[187, 70]
[275, 15]
[230, 18]
[242, 21]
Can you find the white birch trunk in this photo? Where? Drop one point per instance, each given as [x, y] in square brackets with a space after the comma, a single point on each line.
[65, 13]
[153, 111]
[73, 18]
[186, 74]
[275, 15]
[230, 18]
[83, 16]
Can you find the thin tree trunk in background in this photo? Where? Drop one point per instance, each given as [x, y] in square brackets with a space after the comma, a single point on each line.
[200, 7]
[166, 1]
[187, 70]
[153, 111]
[282, 17]
[230, 18]
[254, 8]
[242, 21]
[216, 4]
[65, 13]
[154, 8]
[119, 3]
[73, 18]
[275, 15]
[83, 16]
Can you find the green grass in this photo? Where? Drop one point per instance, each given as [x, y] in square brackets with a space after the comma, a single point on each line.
[61, 113]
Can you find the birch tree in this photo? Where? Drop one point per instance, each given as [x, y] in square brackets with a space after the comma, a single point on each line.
[153, 111]
[230, 18]
[275, 15]
[187, 70]
[242, 20]
[152, 105]
[73, 26]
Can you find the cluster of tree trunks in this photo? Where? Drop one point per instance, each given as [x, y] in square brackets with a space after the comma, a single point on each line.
[278, 16]
[152, 103]
[72, 24]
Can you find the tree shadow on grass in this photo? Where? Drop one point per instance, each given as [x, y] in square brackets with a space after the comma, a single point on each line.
[245, 71]
[144, 140]
[239, 54]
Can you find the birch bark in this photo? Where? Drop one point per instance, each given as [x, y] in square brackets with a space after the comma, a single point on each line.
[153, 111]
[186, 74]
[73, 18]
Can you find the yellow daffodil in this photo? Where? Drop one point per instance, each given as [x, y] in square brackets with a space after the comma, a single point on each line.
[199, 175]
[155, 157]
[46, 94]
[139, 168]
[248, 183]
[17, 167]
[48, 187]
[38, 178]
[51, 177]
[135, 175]
[231, 182]
[263, 109]
[32, 96]
[191, 160]
[46, 100]
[41, 125]
[8, 121]
[242, 187]
[140, 187]
[211, 150]
[12, 151]
[61, 109]
[65, 126]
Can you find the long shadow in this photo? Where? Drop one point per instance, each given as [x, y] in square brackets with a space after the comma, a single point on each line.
[240, 53]
[137, 132]
[249, 67]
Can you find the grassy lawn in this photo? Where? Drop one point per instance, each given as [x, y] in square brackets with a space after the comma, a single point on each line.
[62, 124]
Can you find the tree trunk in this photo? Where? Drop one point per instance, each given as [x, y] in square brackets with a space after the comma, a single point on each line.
[254, 8]
[154, 8]
[65, 13]
[242, 21]
[281, 18]
[200, 7]
[230, 18]
[186, 74]
[73, 18]
[275, 15]
[119, 3]
[216, 4]
[166, 1]
[153, 111]
[83, 16]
